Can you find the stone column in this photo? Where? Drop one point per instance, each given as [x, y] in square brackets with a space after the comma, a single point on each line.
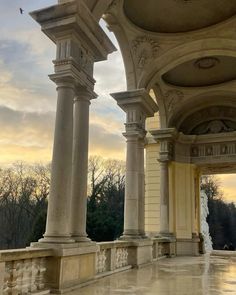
[164, 198]
[80, 165]
[141, 181]
[138, 105]
[134, 183]
[58, 224]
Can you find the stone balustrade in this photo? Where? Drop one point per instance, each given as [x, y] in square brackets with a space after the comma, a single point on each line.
[23, 271]
[112, 257]
[163, 247]
[118, 255]
[28, 271]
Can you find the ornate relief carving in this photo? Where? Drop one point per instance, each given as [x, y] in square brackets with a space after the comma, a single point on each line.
[145, 49]
[172, 99]
[209, 120]
[113, 4]
[213, 150]
[24, 276]
[121, 257]
[101, 261]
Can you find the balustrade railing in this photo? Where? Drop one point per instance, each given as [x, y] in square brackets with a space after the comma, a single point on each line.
[23, 271]
[112, 257]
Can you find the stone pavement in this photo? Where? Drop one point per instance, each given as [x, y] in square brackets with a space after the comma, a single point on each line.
[177, 276]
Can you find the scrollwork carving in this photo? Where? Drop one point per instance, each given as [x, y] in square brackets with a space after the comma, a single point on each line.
[172, 99]
[145, 49]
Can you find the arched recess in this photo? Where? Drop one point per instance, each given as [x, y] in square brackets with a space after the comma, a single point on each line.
[196, 103]
[184, 53]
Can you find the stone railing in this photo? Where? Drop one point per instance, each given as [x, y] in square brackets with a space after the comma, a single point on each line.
[119, 255]
[41, 271]
[112, 257]
[23, 271]
[163, 247]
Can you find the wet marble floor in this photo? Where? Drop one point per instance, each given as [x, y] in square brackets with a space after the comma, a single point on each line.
[176, 276]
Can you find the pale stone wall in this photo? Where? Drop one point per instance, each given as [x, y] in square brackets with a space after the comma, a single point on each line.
[152, 190]
[152, 181]
[182, 192]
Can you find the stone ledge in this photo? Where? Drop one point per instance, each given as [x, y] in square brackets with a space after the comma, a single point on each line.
[28, 253]
[223, 253]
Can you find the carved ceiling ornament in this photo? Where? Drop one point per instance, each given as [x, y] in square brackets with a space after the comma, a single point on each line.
[206, 63]
[216, 119]
[145, 49]
[113, 4]
[172, 99]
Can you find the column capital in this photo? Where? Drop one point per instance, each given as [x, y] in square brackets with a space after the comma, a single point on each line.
[166, 138]
[73, 20]
[84, 95]
[138, 99]
[66, 80]
[135, 135]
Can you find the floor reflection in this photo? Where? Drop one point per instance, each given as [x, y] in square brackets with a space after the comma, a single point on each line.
[177, 276]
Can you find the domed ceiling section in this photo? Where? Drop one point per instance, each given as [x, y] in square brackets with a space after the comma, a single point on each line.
[211, 120]
[176, 16]
[205, 71]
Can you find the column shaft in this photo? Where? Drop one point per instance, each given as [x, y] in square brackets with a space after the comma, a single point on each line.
[80, 167]
[58, 225]
[164, 195]
[134, 188]
[131, 213]
[141, 186]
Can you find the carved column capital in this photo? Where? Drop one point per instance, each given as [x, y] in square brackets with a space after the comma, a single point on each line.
[166, 138]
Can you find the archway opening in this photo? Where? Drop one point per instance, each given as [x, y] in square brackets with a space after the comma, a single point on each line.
[218, 211]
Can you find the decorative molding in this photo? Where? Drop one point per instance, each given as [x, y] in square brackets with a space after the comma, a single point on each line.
[25, 276]
[112, 4]
[173, 98]
[145, 49]
[121, 257]
[198, 122]
[101, 261]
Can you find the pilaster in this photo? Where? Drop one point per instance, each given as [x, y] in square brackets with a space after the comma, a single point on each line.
[166, 139]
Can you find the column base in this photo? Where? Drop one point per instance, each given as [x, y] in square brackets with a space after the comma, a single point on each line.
[140, 252]
[57, 240]
[81, 239]
[188, 247]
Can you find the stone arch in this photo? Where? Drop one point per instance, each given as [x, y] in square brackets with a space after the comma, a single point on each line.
[186, 52]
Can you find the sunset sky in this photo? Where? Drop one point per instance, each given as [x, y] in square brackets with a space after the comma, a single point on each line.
[28, 97]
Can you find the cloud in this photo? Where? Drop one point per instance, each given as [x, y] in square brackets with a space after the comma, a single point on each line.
[28, 97]
[227, 184]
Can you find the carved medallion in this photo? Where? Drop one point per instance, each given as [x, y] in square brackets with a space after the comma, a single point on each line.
[206, 63]
[172, 99]
[145, 49]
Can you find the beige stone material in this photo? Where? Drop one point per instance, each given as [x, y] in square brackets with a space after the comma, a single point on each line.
[195, 276]
[138, 105]
[80, 165]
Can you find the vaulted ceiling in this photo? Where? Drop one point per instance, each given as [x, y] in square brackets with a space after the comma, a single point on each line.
[185, 50]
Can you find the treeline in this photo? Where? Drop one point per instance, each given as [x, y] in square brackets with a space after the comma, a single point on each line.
[24, 192]
[222, 215]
